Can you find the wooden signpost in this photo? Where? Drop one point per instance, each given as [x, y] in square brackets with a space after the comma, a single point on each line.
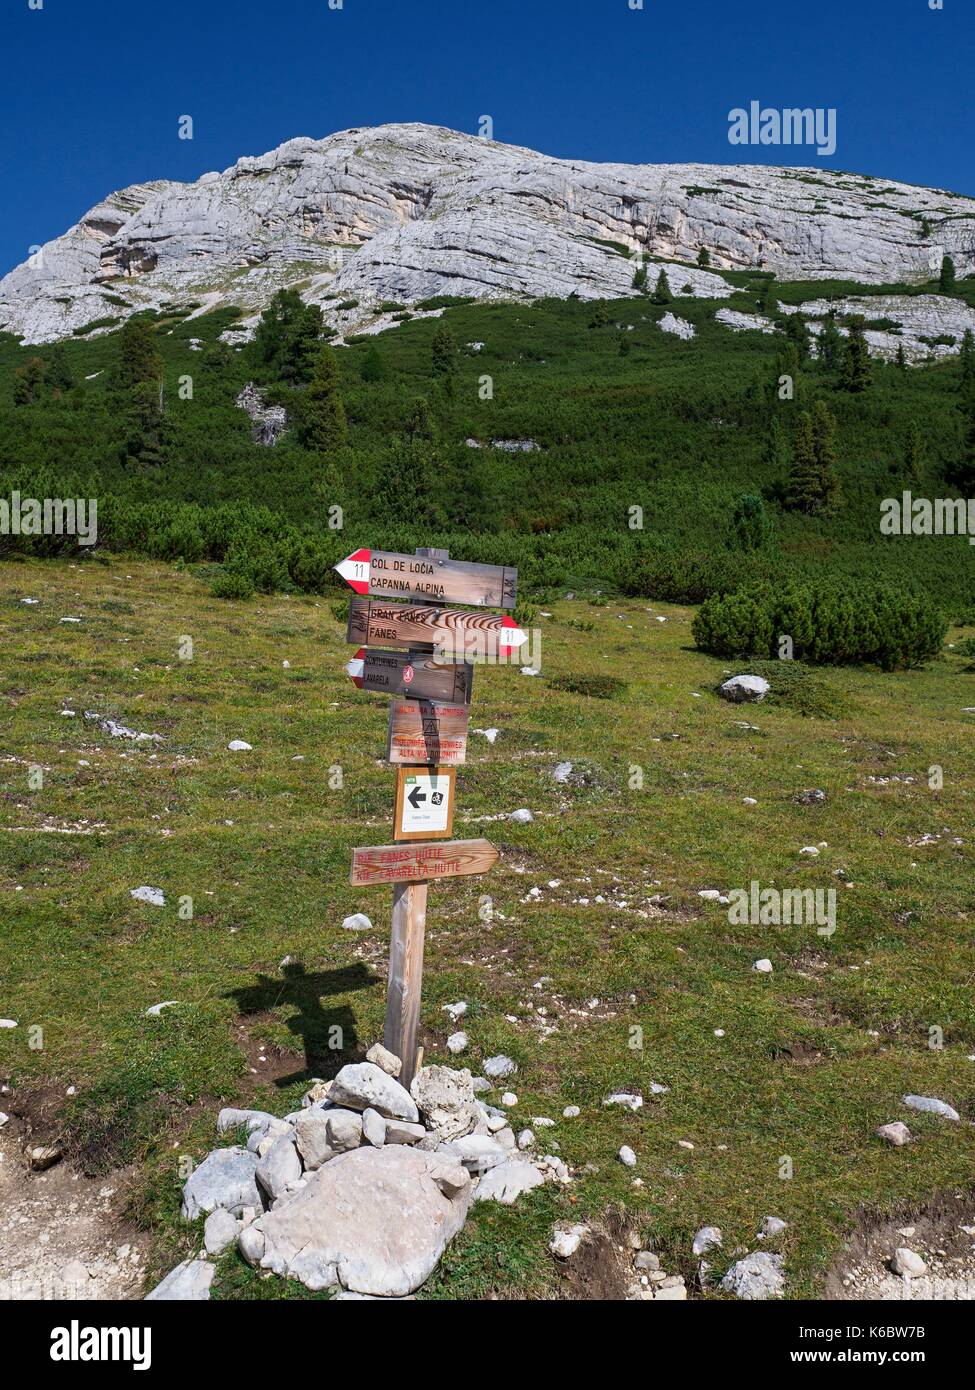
[427, 740]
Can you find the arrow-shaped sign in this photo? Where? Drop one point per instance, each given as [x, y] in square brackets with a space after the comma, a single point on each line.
[415, 797]
[454, 633]
[387, 574]
[416, 674]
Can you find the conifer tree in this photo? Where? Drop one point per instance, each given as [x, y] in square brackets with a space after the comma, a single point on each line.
[946, 280]
[966, 361]
[640, 277]
[443, 353]
[830, 345]
[704, 257]
[27, 381]
[813, 484]
[914, 453]
[321, 415]
[661, 293]
[856, 373]
[139, 362]
[58, 372]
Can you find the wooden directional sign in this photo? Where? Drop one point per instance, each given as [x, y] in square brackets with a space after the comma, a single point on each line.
[426, 731]
[424, 803]
[463, 636]
[416, 674]
[385, 574]
[411, 863]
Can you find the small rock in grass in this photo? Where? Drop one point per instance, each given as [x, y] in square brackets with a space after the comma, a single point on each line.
[741, 689]
[627, 1157]
[145, 894]
[570, 1112]
[509, 1099]
[457, 1010]
[526, 1140]
[896, 1133]
[764, 966]
[630, 1100]
[772, 1226]
[907, 1262]
[565, 1243]
[225, 1178]
[522, 816]
[387, 1061]
[542, 1122]
[155, 1010]
[932, 1106]
[237, 745]
[646, 1261]
[810, 851]
[497, 1067]
[707, 1238]
[477, 1152]
[757, 1276]
[8, 1023]
[357, 922]
[457, 1042]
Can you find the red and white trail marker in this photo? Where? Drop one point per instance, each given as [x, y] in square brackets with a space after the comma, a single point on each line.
[354, 569]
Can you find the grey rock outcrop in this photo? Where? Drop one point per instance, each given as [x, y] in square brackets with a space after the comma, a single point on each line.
[411, 211]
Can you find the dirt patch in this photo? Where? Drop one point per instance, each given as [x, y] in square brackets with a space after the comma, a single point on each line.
[64, 1236]
[942, 1232]
[601, 1269]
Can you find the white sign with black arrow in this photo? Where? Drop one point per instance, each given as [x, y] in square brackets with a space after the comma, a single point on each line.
[424, 803]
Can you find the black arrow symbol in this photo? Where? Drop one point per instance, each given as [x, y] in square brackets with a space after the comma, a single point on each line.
[415, 797]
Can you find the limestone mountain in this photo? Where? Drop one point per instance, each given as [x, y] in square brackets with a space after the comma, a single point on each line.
[408, 212]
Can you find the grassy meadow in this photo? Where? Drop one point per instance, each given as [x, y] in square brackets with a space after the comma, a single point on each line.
[595, 927]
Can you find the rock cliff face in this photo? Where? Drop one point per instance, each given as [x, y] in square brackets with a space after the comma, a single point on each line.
[406, 212]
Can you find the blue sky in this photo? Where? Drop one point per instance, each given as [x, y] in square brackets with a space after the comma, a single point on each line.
[93, 89]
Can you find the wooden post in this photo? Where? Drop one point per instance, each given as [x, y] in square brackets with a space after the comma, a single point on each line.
[405, 984]
[405, 974]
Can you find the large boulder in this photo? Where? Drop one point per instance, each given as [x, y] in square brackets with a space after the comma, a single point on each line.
[446, 1100]
[225, 1178]
[364, 1086]
[372, 1221]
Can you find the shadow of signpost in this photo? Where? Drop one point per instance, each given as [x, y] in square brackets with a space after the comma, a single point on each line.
[327, 1033]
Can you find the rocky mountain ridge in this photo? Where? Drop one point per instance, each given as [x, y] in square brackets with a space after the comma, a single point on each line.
[408, 212]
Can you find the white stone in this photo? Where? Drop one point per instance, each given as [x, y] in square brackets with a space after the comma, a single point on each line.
[570, 1112]
[237, 745]
[457, 1042]
[627, 1157]
[739, 689]
[757, 1276]
[522, 815]
[763, 966]
[373, 1128]
[384, 1059]
[189, 1282]
[279, 1166]
[311, 1136]
[344, 1129]
[498, 1067]
[357, 922]
[670, 323]
[145, 894]
[907, 1262]
[932, 1106]
[219, 1231]
[707, 1238]
[526, 1140]
[565, 1242]
[507, 1182]
[896, 1133]
[361, 1085]
[628, 1099]
[445, 1098]
[477, 1152]
[772, 1226]
[155, 1010]
[225, 1178]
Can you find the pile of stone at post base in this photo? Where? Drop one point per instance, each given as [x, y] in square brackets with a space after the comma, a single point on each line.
[362, 1189]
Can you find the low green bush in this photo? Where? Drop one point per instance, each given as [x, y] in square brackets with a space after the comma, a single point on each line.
[828, 624]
